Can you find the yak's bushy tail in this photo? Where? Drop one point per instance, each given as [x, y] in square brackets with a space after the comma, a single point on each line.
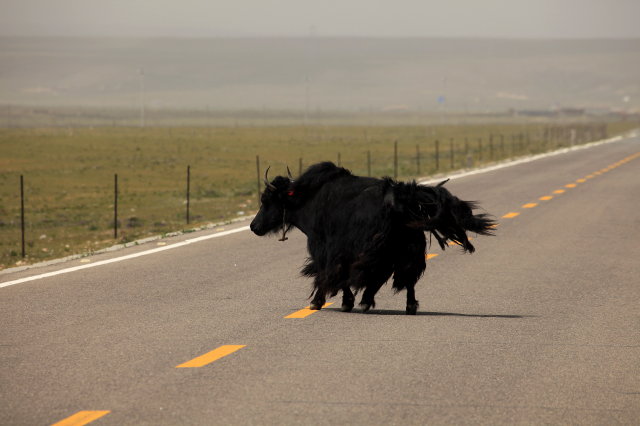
[434, 209]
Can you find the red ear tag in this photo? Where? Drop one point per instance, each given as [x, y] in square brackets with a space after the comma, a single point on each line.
[290, 193]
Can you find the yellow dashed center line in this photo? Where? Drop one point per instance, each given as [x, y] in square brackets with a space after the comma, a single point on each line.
[212, 356]
[511, 215]
[305, 312]
[571, 185]
[84, 417]
[81, 418]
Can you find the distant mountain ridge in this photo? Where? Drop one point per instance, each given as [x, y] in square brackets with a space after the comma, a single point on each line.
[322, 73]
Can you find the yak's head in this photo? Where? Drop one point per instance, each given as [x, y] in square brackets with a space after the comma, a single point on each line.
[274, 200]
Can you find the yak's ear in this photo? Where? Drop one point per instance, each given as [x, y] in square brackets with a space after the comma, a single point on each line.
[443, 182]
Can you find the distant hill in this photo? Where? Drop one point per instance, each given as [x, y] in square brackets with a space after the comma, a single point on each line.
[322, 73]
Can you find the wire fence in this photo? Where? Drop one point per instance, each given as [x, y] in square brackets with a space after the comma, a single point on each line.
[401, 160]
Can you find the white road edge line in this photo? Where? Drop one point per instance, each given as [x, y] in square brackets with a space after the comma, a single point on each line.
[122, 258]
[245, 228]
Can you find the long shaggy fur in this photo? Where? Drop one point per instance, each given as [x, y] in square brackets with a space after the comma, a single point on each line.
[363, 230]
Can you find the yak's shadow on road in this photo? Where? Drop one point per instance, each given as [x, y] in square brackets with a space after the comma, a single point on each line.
[433, 314]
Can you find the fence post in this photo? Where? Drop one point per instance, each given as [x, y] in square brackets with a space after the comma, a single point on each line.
[545, 137]
[22, 213]
[490, 147]
[437, 155]
[467, 158]
[395, 159]
[339, 160]
[115, 206]
[258, 170]
[479, 150]
[188, 190]
[451, 153]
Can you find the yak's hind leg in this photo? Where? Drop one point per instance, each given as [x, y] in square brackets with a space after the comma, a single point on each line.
[409, 267]
[412, 303]
[374, 279]
[367, 302]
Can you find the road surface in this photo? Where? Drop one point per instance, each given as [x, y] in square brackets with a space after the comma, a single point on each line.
[540, 325]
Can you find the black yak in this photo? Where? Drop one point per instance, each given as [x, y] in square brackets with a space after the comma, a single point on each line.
[362, 230]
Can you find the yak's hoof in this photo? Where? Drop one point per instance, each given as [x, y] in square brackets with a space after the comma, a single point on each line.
[412, 309]
[346, 308]
[315, 306]
[365, 308]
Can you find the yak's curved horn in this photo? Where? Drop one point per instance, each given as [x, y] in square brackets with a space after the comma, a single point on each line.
[443, 182]
[268, 184]
[289, 173]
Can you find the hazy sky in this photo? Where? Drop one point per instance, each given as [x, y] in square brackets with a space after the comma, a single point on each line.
[381, 18]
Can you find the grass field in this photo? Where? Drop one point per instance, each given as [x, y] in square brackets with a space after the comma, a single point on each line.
[69, 172]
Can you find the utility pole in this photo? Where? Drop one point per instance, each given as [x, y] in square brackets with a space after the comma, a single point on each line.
[141, 71]
[307, 78]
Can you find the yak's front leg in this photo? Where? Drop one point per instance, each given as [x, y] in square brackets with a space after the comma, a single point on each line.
[319, 299]
[348, 299]
[319, 291]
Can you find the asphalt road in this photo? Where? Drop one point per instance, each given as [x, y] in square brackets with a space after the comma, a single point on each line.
[540, 325]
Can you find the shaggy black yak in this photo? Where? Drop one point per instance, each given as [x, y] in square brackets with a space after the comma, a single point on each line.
[362, 230]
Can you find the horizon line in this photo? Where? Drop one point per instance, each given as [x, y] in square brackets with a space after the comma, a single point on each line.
[327, 37]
